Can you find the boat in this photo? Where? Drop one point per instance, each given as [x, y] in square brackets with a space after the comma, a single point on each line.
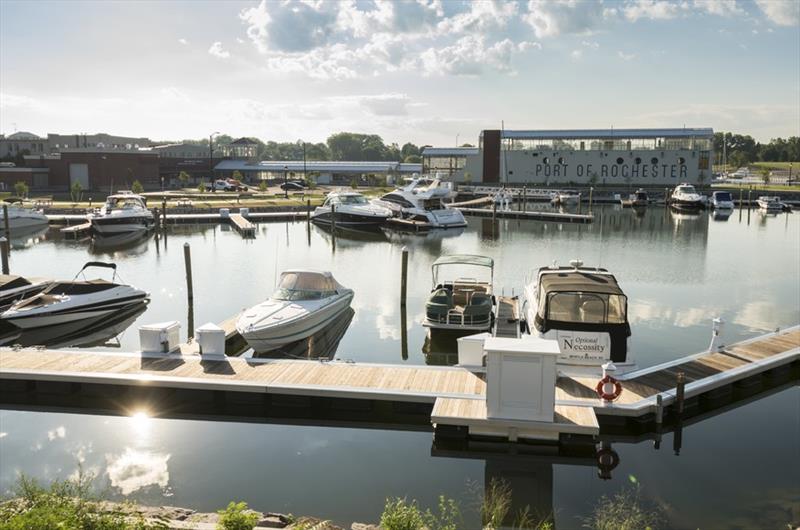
[423, 200]
[304, 302]
[25, 218]
[636, 200]
[566, 197]
[584, 309]
[770, 204]
[684, 196]
[350, 209]
[123, 212]
[461, 304]
[14, 288]
[69, 301]
[722, 200]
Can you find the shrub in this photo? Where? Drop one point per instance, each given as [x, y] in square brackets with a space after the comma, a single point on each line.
[237, 517]
[76, 191]
[183, 177]
[262, 186]
[21, 189]
[201, 187]
[400, 515]
[354, 183]
[137, 187]
[626, 510]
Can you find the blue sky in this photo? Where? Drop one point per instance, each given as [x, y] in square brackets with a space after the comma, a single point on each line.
[426, 71]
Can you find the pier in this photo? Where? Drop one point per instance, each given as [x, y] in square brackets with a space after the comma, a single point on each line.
[452, 400]
[242, 225]
[558, 217]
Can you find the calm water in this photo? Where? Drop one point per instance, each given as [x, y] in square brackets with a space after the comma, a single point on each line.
[739, 468]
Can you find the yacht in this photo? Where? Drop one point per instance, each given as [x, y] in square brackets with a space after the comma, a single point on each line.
[461, 304]
[304, 303]
[423, 200]
[350, 209]
[123, 212]
[722, 200]
[770, 204]
[685, 196]
[636, 200]
[566, 197]
[584, 310]
[21, 217]
[15, 288]
[69, 301]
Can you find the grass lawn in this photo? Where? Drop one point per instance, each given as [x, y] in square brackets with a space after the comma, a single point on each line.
[757, 187]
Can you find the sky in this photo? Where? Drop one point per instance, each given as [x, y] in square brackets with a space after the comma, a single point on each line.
[429, 71]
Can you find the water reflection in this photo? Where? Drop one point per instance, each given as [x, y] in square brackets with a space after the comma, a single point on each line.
[27, 237]
[132, 243]
[321, 345]
[136, 469]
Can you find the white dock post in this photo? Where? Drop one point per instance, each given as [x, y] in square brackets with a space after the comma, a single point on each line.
[716, 330]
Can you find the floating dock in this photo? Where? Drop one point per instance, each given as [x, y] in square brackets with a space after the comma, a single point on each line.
[76, 231]
[452, 399]
[555, 217]
[242, 225]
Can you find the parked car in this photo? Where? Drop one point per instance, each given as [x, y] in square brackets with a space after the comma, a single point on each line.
[229, 185]
[237, 184]
[293, 186]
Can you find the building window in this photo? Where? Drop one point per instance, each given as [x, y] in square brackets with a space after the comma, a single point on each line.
[654, 161]
[620, 160]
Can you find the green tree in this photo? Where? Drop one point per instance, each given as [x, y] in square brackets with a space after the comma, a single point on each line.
[184, 178]
[412, 159]
[137, 187]
[262, 185]
[765, 174]
[21, 189]
[408, 150]
[237, 175]
[76, 191]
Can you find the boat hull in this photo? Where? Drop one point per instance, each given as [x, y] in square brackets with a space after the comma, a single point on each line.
[349, 219]
[122, 226]
[263, 339]
[55, 316]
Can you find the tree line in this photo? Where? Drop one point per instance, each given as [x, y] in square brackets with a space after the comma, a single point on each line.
[743, 149]
[339, 146]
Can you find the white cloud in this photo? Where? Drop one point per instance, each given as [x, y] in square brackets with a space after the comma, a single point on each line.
[626, 56]
[722, 8]
[470, 56]
[576, 54]
[381, 104]
[550, 18]
[134, 470]
[483, 15]
[781, 12]
[217, 51]
[590, 44]
[58, 432]
[183, 41]
[653, 10]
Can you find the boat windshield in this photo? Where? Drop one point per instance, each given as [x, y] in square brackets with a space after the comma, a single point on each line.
[433, 204]
[686, 189]
[125, 204]
[723, 196]
[585, 308]
[295, 286]
[352, 199]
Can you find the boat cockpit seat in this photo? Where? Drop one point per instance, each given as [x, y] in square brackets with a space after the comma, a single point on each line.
[479, 308]
[439, 303]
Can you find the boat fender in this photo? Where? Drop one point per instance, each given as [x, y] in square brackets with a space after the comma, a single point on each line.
[604, 388]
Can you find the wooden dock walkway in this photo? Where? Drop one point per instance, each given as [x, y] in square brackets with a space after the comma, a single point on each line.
[555, 217]
[76, 231]
[242, 225]
[507, 320]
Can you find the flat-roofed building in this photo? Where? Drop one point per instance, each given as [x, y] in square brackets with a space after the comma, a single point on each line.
[22, 143]
[638, 157]
[446, 161]
[324, 171]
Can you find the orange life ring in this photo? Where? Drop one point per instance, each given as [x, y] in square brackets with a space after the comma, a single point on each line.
[608, 396]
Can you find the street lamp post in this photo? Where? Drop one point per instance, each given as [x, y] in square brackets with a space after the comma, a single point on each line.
[286, 182]
[211, 159]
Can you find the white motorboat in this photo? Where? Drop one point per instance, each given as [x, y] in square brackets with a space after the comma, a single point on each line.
[685, 196]
[566, 197]
[636, 200]
[123, 212]
[24, 218]
[423, 200]
[70, 301]
[584, 310]
[304, 303]
[770, 204]
[350, 209]
[15, 288]
[461, 304]
[722, 200]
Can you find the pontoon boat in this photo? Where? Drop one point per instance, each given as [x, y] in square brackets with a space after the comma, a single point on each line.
[461, 304]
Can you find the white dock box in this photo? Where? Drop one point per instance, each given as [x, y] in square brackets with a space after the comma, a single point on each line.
[244, 212]
[211, 339]
[470, 349]
[224, 213]
[162, 337]
[521, 378]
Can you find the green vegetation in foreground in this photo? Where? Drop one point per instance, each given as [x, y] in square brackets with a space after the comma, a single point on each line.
[236, 517]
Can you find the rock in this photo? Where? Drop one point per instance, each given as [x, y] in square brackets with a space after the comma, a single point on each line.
[272, 521]
[364, 526]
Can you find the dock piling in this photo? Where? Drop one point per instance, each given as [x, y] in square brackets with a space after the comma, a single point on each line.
[679, 391]
[4, 251]
[163, 212]
[659, 410]
[187, 261]
[308, 210]
[591, 197]
[6, 228]
[403, 277]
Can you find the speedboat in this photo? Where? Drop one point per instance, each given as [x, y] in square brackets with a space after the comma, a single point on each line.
[566, 197]
[770, 204]
[124, 212]
[15, 288]
[722, 200]
[21, 217]
[461, 304]
[635, 200]
[304, 303]
[70, 301]
[423, 200]
[584, 310]
[685, 196]
[350, 209]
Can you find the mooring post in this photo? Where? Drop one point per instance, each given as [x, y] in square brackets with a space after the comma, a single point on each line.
[308, 210]
[494, 208]
[659, 410]
[591, 197]
[524, 197]
[679, 389]
[163, 212]
[333, 219]
[187, 262]
[741, 191]
[6, 228]
[749, 195]
[4, 251]
[403, 276]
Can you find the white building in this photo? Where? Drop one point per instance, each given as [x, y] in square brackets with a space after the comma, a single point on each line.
[640, 157]
[324, 171]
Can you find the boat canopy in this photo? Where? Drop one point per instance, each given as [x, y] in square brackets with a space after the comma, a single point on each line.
[580, 297]
[306, 285]
[465, 259]
[570, 280]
